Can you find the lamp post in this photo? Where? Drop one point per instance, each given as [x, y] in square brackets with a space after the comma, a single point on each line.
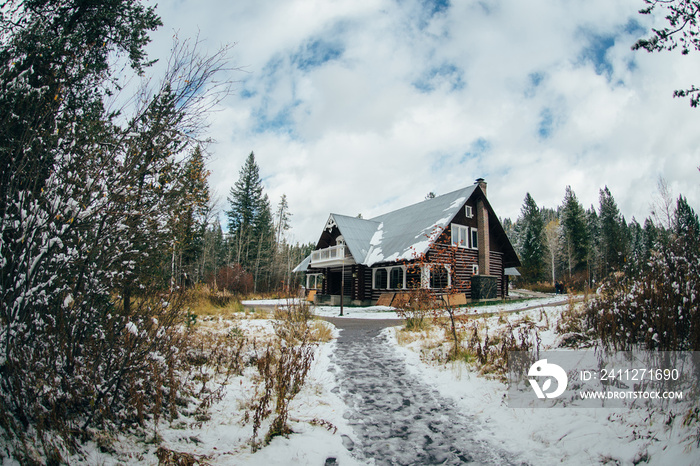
[342, 285]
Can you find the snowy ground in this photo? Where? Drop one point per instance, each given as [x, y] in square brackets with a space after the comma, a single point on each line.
[555, 436]
[324, 417]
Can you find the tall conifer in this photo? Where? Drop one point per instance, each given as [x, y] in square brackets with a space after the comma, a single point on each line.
[532, 241]
[575, 235]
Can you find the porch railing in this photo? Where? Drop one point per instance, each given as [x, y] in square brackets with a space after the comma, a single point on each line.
[331, 254]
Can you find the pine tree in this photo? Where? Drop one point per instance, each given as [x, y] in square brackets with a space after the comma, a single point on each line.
[189, 218]
[636, 247]
[532, 241]
[612, 234]
[685, 222]
[576, 241]
[264, 243]
[250, 220]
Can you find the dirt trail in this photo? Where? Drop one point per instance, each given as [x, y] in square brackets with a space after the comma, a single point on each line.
[398, 419]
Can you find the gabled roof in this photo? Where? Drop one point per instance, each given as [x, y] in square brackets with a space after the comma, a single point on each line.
[403, 234]
[357, 233]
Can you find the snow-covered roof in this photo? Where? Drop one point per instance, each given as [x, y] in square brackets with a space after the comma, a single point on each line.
[304, 265]
[407, 233]
[403, 234]
[357, 233]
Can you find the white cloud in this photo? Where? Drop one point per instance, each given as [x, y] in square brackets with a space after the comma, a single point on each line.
[362, 107]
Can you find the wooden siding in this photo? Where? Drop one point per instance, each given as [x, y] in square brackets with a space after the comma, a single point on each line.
[496, 265]
[464, 259]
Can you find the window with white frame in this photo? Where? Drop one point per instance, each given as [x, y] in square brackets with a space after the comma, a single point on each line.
[380, 279]
[460, 235]
[393, 278]
[314, 281]
[396, 276]
[414, 275]
[439, 277]
[468, 211]
[464, 236]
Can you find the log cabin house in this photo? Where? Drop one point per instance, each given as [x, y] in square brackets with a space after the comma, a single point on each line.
[451, 243]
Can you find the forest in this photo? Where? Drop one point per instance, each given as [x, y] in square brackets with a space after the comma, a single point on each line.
[580, 247]
[643, 279]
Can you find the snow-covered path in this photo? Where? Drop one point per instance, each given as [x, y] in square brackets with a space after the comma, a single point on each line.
[397, 418]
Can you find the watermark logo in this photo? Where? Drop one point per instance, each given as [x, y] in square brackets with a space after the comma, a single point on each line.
[542, 368]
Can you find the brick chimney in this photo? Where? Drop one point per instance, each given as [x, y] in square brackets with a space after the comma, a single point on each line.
[483, 236]
[482, 184]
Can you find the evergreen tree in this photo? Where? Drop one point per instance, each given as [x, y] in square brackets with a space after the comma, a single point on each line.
[575, 235]
[214, 254]
[685, 222]
[532, 241]
[612, 234]
[593, 258]
[264, 243]
[86, 197]
[637, 254]
[189, 218]
[651, 237]
[250, 220]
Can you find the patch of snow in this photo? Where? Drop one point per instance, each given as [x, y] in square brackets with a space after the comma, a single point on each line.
[369, 312]
[132, 328]
[456, 203]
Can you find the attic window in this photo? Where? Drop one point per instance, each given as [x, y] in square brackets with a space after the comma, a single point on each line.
[468, 211]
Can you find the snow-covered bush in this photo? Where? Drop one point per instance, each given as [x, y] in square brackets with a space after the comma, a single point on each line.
[656, 304]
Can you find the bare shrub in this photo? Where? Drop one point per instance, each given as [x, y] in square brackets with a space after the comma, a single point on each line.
[167, 457]
[572, 326]
[320, 332]
[212, 358]
[491, 351]
[234, 279]
[292, 321]
[283, 368]
[541, 287]
[415, 308]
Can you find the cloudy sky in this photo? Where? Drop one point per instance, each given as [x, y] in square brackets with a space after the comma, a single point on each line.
[364, 106]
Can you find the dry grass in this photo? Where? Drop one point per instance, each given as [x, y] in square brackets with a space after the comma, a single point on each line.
[483, 348]
[167, 457]
[320, 331]
[203, 302]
